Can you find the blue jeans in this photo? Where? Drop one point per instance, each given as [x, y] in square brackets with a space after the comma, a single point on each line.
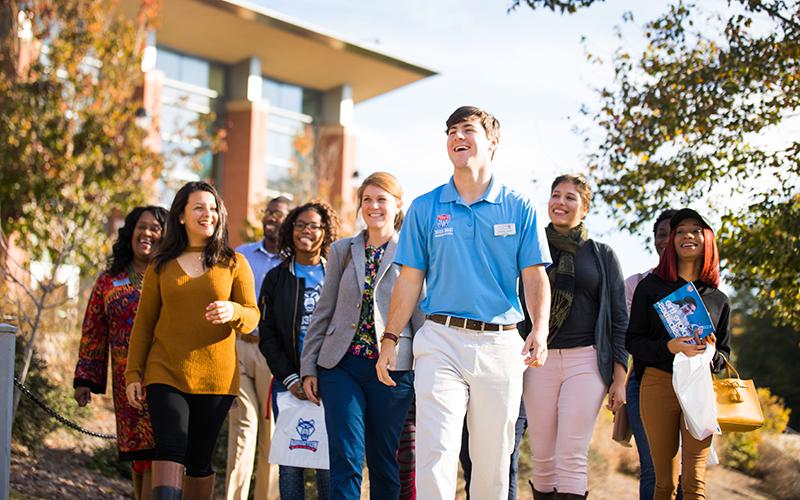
[466, 463]
[647, 473]
[291, 483]
[367, 417]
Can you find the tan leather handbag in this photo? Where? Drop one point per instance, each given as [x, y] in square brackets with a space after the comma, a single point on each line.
[738, 407]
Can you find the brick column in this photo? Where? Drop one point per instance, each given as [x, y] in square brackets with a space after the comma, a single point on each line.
[244, 176]
[336, 153]
[336, 163]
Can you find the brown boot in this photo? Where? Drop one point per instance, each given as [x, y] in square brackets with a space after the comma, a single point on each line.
[541, 495]
[167, 480]
[199, 488]
[137, 484]
[147, 485]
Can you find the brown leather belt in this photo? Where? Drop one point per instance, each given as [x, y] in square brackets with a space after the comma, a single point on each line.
[469, 324]
[250, 339]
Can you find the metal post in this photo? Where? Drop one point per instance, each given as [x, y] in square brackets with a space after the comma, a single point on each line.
[7, 344]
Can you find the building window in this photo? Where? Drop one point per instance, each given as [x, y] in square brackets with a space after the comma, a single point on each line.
[291, 133]
[193, 88]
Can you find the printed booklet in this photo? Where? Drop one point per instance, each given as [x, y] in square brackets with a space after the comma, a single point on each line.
[684, 314]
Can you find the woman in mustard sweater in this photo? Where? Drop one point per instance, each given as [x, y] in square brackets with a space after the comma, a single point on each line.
[182, 349]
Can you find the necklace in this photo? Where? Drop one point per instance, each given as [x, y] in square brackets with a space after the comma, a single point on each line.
[135, 277]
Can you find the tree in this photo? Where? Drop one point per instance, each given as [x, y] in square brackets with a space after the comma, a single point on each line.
[70, 148]
[766, 352]
[562, 6]
[686, 121]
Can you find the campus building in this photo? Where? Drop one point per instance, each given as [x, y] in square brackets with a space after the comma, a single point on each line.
[284, 93]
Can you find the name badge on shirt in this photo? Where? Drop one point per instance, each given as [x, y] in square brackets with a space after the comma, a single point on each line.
[122, 282]
[505, 229]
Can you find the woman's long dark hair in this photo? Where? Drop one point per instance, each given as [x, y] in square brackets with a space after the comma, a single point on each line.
[122, 250]
[330, 223]
[217, 250]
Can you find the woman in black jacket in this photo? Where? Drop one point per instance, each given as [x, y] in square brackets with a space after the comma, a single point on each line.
[586, 343]
[288, 298]
[691, 255]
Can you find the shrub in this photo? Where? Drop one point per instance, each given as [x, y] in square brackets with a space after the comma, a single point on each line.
[780, 469]
[105, 460]
[740, 450]
[31, 423]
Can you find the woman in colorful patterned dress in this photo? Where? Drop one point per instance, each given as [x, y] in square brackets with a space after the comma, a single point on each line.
[341, 351]
[107, 329]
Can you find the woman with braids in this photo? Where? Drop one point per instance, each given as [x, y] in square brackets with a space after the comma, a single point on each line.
[341, 351]
[195, 295]
[586, 344]
[287, 300]
[106, 333]
[691, 255]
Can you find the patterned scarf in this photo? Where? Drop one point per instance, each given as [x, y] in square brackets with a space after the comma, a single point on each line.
[562, 273]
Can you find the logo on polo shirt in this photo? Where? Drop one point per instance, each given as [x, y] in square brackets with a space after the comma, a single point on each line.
[442, 227]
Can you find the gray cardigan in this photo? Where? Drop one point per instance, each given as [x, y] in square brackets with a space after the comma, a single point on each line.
[336, 317]
[612, 318]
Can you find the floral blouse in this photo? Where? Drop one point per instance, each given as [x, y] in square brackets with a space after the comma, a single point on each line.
[365, 343]
[106, 332]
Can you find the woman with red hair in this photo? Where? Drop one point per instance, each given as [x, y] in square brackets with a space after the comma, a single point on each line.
[691, 256]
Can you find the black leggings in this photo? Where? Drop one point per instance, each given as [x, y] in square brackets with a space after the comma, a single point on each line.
[185, 426]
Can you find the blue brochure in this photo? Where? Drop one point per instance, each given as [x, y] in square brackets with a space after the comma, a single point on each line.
[684, 314]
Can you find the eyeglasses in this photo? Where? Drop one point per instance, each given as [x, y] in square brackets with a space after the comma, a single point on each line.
[277, 214]
[301, 226]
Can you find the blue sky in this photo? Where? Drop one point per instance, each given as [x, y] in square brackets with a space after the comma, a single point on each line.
[527, 67]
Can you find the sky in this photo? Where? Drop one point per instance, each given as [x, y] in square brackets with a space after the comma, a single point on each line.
[529, 68]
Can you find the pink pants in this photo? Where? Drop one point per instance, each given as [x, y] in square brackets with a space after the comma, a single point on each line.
[562, 399]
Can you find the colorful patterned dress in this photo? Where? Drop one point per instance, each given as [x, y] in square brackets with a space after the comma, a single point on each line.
[106, 331]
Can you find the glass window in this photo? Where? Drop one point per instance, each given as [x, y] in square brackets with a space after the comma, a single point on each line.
[291, 131]
[193, 88]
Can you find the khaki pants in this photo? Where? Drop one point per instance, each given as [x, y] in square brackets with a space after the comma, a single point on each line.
[249, 429]
[663, 422]
[460, 372]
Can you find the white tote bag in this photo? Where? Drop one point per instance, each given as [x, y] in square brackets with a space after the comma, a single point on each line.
[300, 438]
[691, 379]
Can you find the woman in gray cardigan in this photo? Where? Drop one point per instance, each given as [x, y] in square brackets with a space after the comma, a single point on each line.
[341, 349]
[586, 343]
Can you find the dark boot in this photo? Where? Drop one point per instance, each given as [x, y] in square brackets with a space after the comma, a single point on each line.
[570, 496]
[199, 488]
[541, 495]
[147, 485]
[167, 480]
[137, 484]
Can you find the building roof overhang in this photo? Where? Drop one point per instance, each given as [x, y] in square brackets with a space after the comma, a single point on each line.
[230, 31]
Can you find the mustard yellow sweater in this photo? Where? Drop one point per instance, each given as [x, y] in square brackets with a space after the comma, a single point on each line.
[172, 343]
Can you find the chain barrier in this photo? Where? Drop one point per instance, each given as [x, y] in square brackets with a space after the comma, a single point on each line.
[58, 416]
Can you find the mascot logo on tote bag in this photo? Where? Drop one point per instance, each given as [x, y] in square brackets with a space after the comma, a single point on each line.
[305, 428]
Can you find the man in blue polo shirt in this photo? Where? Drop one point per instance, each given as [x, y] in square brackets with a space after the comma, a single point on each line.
[469, 241]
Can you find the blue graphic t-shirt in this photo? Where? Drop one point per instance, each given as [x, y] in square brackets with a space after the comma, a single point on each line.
[314, 277]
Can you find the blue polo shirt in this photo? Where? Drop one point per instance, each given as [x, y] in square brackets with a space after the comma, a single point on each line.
[472, 254]
[261, 262]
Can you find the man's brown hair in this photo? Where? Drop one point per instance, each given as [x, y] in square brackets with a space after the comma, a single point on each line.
[465, 113]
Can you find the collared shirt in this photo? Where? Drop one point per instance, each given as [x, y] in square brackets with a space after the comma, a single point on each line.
[261, 262]
[472, 254]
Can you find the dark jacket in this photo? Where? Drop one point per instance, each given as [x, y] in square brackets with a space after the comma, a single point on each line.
[280, 303]
[647, 338]
[612, 319]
